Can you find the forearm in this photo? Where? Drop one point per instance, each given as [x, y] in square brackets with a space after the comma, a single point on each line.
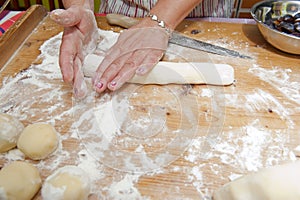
[172, 12]
[85, 3]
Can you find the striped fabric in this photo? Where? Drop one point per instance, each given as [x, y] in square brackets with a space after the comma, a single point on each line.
[139, 8]
[7, 23]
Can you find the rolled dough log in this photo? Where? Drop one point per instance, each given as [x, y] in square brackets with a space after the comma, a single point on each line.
[37, 141]
[10, 130]
[67, 183]
[19, 180]
[174, 73]
[274, 183]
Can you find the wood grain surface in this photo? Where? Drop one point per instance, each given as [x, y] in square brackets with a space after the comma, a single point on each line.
[264, 99]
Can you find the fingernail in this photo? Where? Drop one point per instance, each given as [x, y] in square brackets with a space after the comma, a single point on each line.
[140, 70]
[99, 85]
[113, 83]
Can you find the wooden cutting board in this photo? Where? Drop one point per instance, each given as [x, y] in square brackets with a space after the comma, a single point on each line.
[251, 124]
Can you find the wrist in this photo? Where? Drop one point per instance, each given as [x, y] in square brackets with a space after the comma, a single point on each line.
[159, 22]
[89, 4]
[149, 21]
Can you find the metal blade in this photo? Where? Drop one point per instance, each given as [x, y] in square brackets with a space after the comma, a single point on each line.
[177, 38]
[185, 41]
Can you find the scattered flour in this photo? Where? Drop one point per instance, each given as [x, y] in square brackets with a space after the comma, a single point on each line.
[36, 94]
[14, 154]
[92, 167]
[125, 189]
[206, 93]
[280, 79]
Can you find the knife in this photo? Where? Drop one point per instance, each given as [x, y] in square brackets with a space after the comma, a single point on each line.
[177, 38]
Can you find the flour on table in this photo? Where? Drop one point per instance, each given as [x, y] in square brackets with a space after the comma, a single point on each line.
[125, 189]
[91, 166]
[115, 125]
[280, 79]
[13, 155]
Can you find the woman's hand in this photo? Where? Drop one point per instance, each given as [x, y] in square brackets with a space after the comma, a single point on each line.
[79, 38]
[137, 51]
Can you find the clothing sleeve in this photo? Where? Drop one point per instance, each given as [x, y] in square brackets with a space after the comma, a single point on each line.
[131, 8]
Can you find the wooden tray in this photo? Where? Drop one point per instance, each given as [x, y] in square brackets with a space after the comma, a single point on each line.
[241, 128]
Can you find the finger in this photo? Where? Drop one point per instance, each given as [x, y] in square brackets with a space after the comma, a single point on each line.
[79, 87]
[66, 61]
[125, 67]
[152, 58]
[101, 83]
[128, 69]
[123, 76]
[114, 53]
[126, 73]
[70, 46]
[147, 58]
[98, 84]
[68, 17]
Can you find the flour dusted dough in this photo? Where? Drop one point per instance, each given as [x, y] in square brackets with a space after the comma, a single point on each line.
[274, 183]
[297, 151]
[37, 141]
[19, 180]
[10, 129]
[66, 183]
[171, 72]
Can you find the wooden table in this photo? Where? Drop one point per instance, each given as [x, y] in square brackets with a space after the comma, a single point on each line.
[241, 128]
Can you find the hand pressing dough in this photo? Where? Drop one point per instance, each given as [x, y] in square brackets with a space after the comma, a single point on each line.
[10, 129]
[37, 141]
[66, 183]
[19, 180]
[176, 73]
[274, 183]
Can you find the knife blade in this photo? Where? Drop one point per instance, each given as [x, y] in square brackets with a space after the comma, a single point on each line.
[177, 38]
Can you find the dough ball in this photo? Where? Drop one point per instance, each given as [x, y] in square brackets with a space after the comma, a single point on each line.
[37, 141]
[10, 129]
[276, 183]
[19, 180]
[66, 183]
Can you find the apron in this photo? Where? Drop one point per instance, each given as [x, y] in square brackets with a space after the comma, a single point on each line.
[140, 8]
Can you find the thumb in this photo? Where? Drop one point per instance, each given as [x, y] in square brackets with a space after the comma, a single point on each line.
[68, 17]
[79, 86]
